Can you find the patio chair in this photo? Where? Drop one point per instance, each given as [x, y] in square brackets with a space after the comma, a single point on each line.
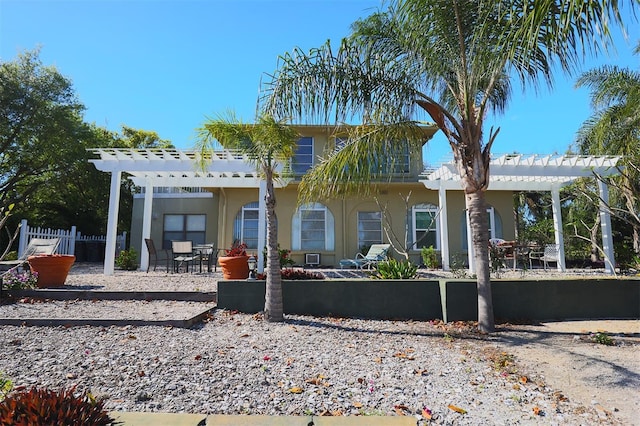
[550, 254]
[183, 256]
[376, 254]
[154, 254]
[36, 246]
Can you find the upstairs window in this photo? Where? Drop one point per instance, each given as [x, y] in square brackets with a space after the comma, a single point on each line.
[303, 158]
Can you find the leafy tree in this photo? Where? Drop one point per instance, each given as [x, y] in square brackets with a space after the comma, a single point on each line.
[268, 143]
[614, 129]
[451, 58]
[40, 121]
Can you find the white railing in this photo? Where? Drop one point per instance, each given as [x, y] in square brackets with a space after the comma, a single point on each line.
[68, 238]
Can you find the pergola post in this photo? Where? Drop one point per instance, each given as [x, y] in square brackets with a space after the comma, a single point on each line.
[605, 226]
[112, 223]
[146, 224]
[557, 226]
[444, 228]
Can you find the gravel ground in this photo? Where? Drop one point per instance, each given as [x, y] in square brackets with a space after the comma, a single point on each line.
[238, 364]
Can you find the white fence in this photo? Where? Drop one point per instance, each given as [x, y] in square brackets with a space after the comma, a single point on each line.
[69, 239]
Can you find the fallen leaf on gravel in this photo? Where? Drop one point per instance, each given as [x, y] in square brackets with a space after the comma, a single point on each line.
[457, 409]
[537, 411]
[401, 410]
[296, 389]
[357, 404]
[426, 413]
[198, 357]
[524, 379]
[378, 360]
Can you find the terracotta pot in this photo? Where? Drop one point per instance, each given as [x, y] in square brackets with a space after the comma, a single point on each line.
[234, 267]
[52, 269]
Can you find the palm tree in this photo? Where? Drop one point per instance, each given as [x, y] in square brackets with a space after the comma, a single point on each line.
[269, 145]
[452, 59]
[614, 129]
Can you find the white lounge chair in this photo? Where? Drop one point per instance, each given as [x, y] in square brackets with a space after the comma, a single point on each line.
[376, 253]
[35, 246]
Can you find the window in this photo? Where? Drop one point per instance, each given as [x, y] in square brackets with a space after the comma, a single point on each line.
[184, 227]
[245, 226]
[303, 159]
[313, 228]
[425, 225]
[369, 229]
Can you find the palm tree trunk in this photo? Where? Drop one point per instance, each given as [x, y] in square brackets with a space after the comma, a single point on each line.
[273, 307]
[479, 232]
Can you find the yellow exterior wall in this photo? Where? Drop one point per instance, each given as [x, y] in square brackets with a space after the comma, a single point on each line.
[222, 209]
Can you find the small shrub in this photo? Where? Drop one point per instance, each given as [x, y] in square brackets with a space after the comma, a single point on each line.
[295, 274]
[127, 260]
[429, 257]
[41, 406]
[458, 266]
[602, 339]
[14, 280]
[395, 270]
[5, 386]
[283, 256]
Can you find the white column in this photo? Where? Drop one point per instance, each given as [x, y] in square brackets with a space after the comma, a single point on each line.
[262, 228]
[471, 253]
[605, 226]
[146, 224]
[112, 223]
[444, 228]
[557, 226]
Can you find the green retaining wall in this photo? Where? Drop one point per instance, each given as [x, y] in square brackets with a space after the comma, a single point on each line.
[422, 299]
[546, 300]
[372, 299]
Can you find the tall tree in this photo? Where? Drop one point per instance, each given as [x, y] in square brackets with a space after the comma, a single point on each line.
[614, 129]
[40, 123]
[451, 58]
[270, 144]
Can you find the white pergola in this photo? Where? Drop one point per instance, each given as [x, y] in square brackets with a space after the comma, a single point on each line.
[517, 172]
[149, 168]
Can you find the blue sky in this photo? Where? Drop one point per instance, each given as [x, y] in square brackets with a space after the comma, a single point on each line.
[166, 65]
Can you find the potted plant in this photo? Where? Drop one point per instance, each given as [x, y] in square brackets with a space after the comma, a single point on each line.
[235, 262]
[52, 269]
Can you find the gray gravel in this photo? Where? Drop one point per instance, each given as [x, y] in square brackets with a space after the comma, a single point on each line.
[239, 364]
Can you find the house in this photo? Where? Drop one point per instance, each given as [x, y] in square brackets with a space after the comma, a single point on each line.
[222, 204]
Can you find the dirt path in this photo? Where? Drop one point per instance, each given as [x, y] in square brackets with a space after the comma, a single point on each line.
[566, 357]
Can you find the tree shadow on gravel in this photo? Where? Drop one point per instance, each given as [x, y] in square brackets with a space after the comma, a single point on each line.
[436, 329]
[569, 344]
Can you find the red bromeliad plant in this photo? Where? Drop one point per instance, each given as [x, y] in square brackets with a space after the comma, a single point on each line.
[237, 249]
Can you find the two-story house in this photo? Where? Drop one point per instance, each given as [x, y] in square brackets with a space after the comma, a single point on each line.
[421, 207]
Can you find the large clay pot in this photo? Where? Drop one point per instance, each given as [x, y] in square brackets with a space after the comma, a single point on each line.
[234, 267]
[52, 269]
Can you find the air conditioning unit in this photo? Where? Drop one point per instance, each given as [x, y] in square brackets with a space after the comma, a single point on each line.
[312, 259]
